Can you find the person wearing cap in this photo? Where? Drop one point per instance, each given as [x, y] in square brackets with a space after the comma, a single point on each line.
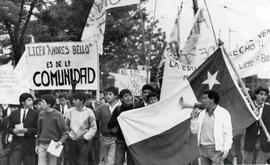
[23, 127]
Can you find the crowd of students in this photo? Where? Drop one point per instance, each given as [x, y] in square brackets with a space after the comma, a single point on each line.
[87, 129]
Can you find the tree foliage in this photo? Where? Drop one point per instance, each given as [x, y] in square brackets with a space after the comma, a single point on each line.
[15, 17]
[123, 41]
[61, 21]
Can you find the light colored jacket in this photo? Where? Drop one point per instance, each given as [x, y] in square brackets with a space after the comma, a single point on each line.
[222, 128]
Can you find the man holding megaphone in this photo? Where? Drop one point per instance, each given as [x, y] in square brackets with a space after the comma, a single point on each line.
[213, 128]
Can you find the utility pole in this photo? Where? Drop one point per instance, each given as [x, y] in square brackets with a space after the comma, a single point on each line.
[143, 44]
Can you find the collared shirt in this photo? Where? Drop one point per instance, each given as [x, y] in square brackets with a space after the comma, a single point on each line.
[145, 103]
[259, 109]
[114, 106]
[22, 113]
[63, 109]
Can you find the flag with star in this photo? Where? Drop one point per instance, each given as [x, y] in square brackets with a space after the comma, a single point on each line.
[215, 74]
[160, 133]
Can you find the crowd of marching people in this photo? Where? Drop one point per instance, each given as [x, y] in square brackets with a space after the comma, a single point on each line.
[87, 129]
[88, 132]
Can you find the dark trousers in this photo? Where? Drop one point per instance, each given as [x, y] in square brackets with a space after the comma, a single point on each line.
[4, 158]
[121, 149]
[76, 152]
[16, 157]
[94, 151]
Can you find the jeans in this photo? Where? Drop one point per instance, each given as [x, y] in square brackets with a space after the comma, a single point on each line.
[45, 158]
[107, 150]
[76, 152]
[121, 149]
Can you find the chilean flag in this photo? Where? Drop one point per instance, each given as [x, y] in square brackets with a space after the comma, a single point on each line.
[160, 133]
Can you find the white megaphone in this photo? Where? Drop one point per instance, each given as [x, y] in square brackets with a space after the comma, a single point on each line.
[190, 105]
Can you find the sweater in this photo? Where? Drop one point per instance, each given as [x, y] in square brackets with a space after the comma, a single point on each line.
[81, 123]
[103, 117]
[51, 126]
[113, 123]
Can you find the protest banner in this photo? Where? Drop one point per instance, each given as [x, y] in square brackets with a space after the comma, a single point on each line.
[174, 73]
[253, 57]
[131, 79]
[55, 65]
[10, 86]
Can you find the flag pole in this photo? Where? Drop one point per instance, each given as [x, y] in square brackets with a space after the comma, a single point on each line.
[244, 89]
[211, 22]
[98, 74]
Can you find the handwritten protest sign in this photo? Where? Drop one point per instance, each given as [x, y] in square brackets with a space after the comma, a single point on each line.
[55, 65]
[131, 79]
[10, 86]
[253, 57]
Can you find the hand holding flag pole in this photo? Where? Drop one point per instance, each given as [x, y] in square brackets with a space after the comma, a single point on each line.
[242, 85]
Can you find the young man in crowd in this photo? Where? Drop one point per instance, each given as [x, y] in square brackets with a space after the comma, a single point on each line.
[153, 98]
[121, 146]
[6, 137]
[23, 127]
[37, 105]
[213, 128]
[82, 126]
[107, 139]
[256, 146]
[63, 105]
[51, 126]
[146, 90]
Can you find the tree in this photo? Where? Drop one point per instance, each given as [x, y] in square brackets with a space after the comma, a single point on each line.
[15, 17]
[61, 21]
[123, 41]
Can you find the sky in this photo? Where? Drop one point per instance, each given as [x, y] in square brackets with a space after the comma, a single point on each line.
[244, 18]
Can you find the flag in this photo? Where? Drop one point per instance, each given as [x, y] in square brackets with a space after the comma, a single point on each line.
[95, 26]
[174, 72]
[160, 133]
[215, 74]
[197, 48]
[201, 41]
[94, 29]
